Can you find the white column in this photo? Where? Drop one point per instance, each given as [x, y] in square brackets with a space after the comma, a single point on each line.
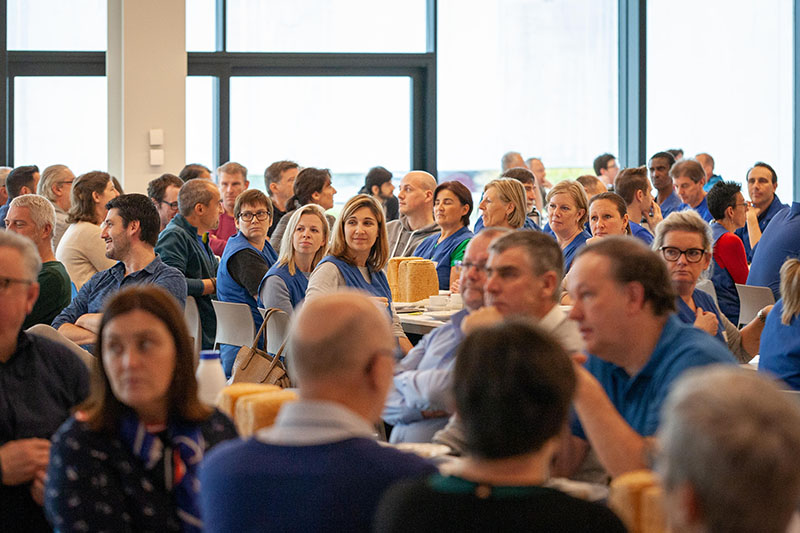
[146, 70]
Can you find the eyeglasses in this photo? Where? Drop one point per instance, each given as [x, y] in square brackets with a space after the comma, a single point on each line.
[172, 205]
[261, 216]
[672, 254]
[480, 267]
[6, 282]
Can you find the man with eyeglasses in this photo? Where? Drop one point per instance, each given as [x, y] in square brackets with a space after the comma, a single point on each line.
[624, 303]
[41, 381]
[416, 405]
[56, 186]
[606, 169]
[163, 191]
[246, 259]
[232, 181]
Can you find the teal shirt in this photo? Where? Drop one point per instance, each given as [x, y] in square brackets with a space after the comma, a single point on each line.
[55, 293]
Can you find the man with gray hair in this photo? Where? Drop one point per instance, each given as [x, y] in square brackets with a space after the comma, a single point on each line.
[4, 172]
[232, 181]
[56, 186]
[184, 244]
[729, 446]
[34, 217]
[21, 180]
[415, 199]
[41, 381]
[318, 466]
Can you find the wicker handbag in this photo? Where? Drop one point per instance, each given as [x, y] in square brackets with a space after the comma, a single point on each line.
[253, 365]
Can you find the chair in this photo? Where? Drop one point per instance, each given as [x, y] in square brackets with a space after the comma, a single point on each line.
[707, 286]
[277, 329]
[751, 300]
[192, 317]
[235, 324]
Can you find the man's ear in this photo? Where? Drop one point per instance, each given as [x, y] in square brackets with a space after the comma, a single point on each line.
[634, 291]
[375, 190]
[639, 195]
[273, 188]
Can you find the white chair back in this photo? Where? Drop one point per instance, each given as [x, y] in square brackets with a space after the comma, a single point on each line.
[192, 317]
[707, 287]
[751, 300]
[234, 324]
[277, 330]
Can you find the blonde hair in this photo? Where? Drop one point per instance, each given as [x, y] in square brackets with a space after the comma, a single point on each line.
[790, 290]
[287, 244]
[379, 254]
[511, 191]
[575, 191]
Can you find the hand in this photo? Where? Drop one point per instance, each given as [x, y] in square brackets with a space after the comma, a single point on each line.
[90, 322]
[434, 414]
[21, 459]
[37, 487]
[752, 213]
[455, 286]
[380, 301]
[656, 218]
[483, 317]
[706, 321]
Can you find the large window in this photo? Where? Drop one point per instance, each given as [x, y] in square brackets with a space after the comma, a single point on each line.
[534, 76]
[721, 81]
[56, 25]
[200, 120]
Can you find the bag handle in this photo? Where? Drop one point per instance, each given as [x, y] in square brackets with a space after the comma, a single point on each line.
[263, 328]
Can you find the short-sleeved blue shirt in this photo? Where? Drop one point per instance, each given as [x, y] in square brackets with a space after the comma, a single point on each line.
[780, 241]
[780, 348]
[763, 221]
[638, 398]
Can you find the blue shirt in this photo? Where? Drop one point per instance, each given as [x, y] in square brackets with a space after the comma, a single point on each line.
[529, 224]
[780, 347]
[422, 381]
[638, 398]
[571, 250]
[702, 210]
[104, 284]
[713, 180]
[3, 212]
[780, 241]
[705, 302]
[639, 231]
[763, 220]
[671, 204]
[442, 252]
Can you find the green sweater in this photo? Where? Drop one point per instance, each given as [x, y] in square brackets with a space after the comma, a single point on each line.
[55, 293]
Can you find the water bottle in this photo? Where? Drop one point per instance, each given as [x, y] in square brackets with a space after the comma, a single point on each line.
[210, 377]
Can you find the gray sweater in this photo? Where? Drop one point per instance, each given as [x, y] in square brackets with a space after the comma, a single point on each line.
[403, 240]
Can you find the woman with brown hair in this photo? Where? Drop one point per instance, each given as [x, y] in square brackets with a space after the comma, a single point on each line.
[567, 211]
[128, 458]
[81, 249]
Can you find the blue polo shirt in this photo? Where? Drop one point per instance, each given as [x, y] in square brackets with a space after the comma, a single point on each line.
[780, 348]
[671, 204]
[638, 398]
[780, 241]
[101, 286]
[702, 210]
[763, 220]
[640, 232]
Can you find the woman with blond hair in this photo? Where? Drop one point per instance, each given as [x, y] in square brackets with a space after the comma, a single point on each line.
[284, 285]
[567, 212]
[358, 254]
[780, 340]
[503, 205]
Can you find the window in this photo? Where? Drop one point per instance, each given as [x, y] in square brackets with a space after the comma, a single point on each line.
[200, 25]
[200, 120]
[347, 124]
[47, 25]
[61, 120]
[721, 82]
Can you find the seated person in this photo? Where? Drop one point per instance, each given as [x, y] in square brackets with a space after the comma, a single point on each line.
[19, 181]
[232, 181]
[608, 215]
[184, 245]
[623, 302]
[358, 254]
[780, 342]
[729, 442]
[34, 217]
[727, 206]
[416, 405]
[534, 198]
[56, 186]
[284, 285]
[567, 212]
[247, 257]
[512, 385]
[193, 171]
[778, 243]
[318, 468]
[684, 241]
[41, 382]
[452, 205]
[762, 182]
[311, 186]
[591, 185]
[81, 249]
[503, 205]
[130, 231]
[415, 221]
[688, 178]
[658, 167]
[632, 184]
[139, 439]
[163, 191]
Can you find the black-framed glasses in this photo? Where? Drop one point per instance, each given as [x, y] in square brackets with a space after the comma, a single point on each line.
[172, 205]
[5, 283]
[247, 216]
[672, 254]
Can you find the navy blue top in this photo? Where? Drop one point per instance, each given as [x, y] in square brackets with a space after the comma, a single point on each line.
[780, 241]
[250, 485]
[441, 253]
[780, 347]
[572, 248]
[39, 385]
[296, 284]
[724, 286]
[671, 204]
[705, 302]
[702, 210]
[639, 398]
[529, 224]
[3, 212]
[763, 220]
[639, 231]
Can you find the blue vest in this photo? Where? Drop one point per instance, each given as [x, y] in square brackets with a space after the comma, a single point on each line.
[353, 278]
[296, 284]
[230, 291]
[727, 297]
[705, 302]
[428, 249]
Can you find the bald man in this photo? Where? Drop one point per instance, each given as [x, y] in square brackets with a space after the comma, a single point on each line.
[416, 214]
[319, 467]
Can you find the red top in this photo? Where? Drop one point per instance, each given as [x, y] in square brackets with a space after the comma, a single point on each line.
[729, 253]
[218, 238]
